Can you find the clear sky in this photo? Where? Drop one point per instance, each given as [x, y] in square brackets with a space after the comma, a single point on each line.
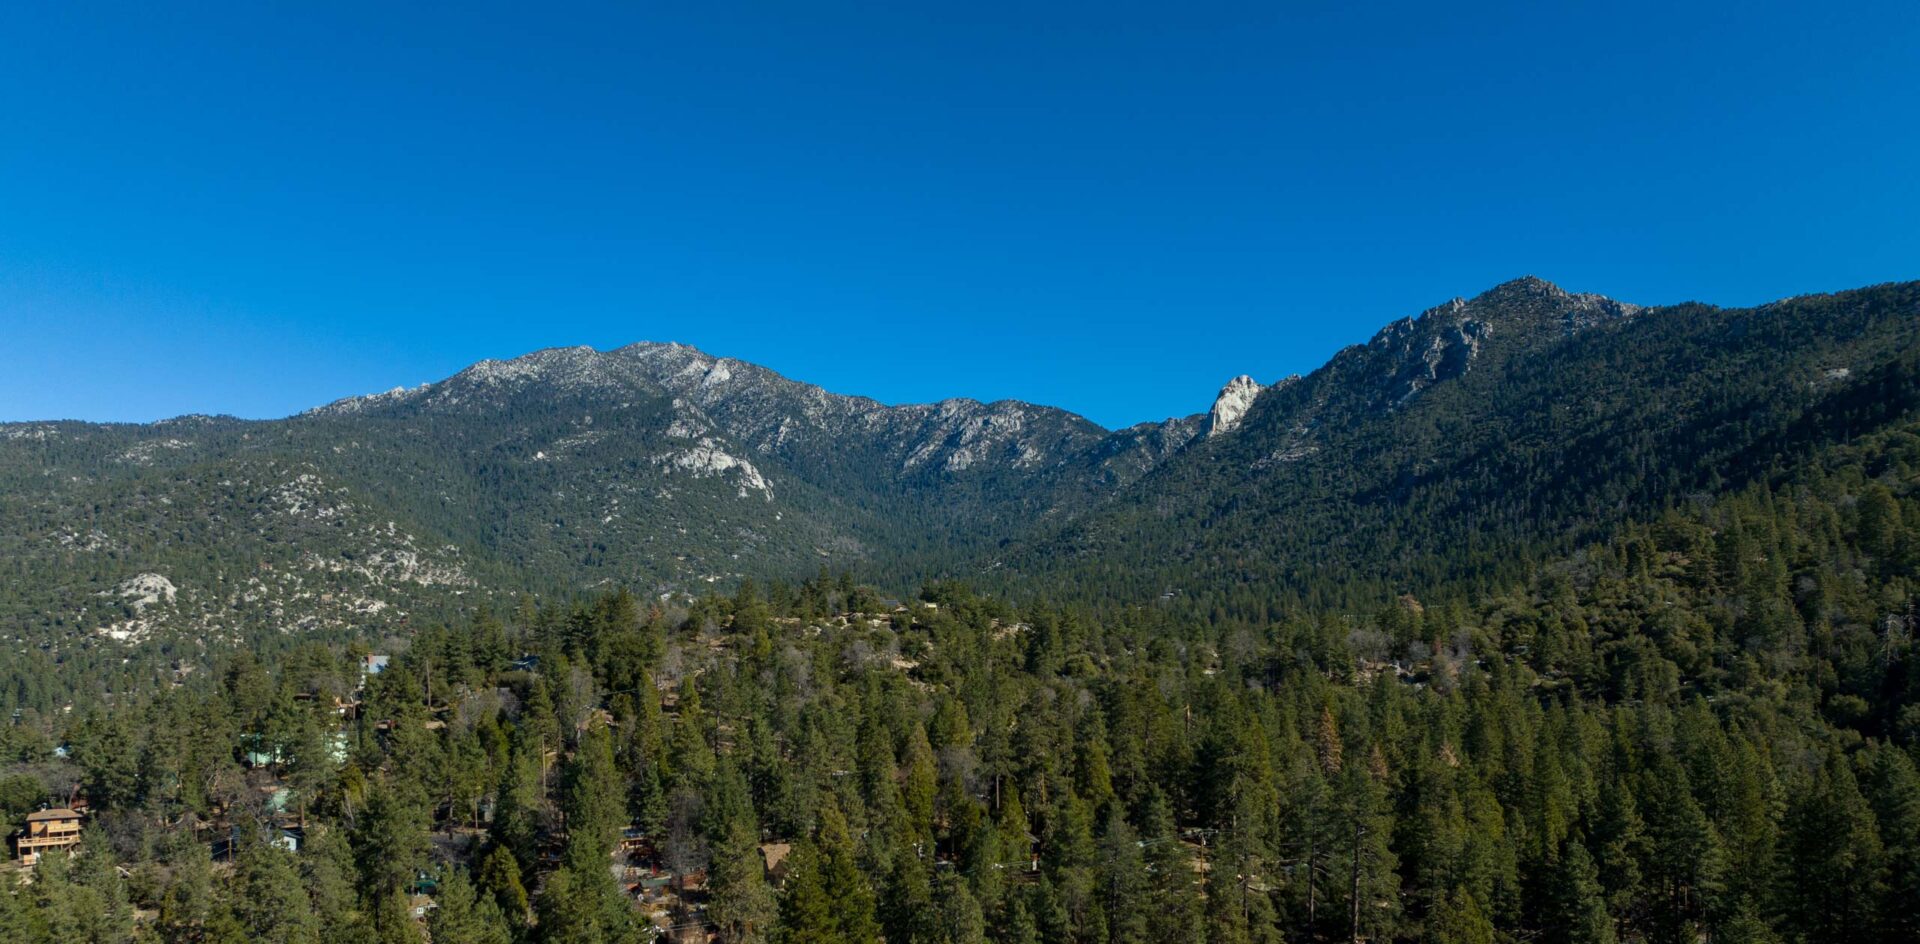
[1109, 207]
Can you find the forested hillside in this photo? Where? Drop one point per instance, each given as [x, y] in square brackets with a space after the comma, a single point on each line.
[1538, 618]
[1454, 448]
[654, 467]
[1702, 728]
[1440, 457]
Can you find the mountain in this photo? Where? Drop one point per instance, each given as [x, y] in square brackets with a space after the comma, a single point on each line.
[1457, 443]
[1453, 446]
[654, 465]
[1530, 614]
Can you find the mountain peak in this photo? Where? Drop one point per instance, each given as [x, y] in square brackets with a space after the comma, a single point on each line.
[1231, 406]
[1526, 285]
[1531, 302]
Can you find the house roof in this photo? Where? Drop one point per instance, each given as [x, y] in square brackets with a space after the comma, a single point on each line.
[775, 853]
[47, 815]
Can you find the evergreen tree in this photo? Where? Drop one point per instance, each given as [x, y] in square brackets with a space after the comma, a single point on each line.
[1459, 919]
[829, 898]
[464, 914]
[1575, 909]
[593, 799]
[741, 903]
[389, 844]
[517, 816]
[499, 878]
[269, 901]
[1834, 875]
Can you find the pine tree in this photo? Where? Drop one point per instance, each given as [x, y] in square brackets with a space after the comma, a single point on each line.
[500, 879]
[592, 799]
[1833, 876]
[328, 874]
[907, 912]
[1173, 896]
[392, 920]
[1575, 910]
[741, 904]
[922, 783]
[522, 803]
[188, 903]
[1122, 878]
[960, 919]
[581, 904]
[1459, 919]
[827, 899]
[1068, 856]
[464, 914]
[269, 899]
[1683, 863]
[389, 843]
[1893, 790]
[807, 914]
[1372, 887]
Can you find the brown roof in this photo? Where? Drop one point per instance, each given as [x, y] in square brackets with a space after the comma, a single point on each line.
[47, 815]
[775, 853]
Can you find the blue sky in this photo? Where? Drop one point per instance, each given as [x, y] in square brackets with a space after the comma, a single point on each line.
[1112, 207]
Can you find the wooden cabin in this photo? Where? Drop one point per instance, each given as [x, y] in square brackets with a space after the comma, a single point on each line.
[47, 830]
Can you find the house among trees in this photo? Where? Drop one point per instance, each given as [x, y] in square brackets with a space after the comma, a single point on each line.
[774, 856]
[47, 830]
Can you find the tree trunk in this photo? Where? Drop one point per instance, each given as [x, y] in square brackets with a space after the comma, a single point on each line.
[1354, 891]
[1313, 843]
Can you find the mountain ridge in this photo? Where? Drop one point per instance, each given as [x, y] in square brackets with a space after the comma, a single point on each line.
[1524, 414]
[687, 358]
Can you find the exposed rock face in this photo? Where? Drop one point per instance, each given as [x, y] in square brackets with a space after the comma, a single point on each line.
[770, 414]
[707, 459]
[144, 590]
[1232, 404]
[733, 409]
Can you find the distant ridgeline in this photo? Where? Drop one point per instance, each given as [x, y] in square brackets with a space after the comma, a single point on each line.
[1445, 458]
[1539, 617]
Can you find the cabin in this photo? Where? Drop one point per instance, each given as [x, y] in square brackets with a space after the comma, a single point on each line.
[633, 841]
[774, 856]
[288, 838]
[374, 664]
[47, 830]
[227, 848]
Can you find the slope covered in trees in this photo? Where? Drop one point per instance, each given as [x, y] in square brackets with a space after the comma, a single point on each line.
[1454, 448]
[1703, 726]
[1439, 458]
